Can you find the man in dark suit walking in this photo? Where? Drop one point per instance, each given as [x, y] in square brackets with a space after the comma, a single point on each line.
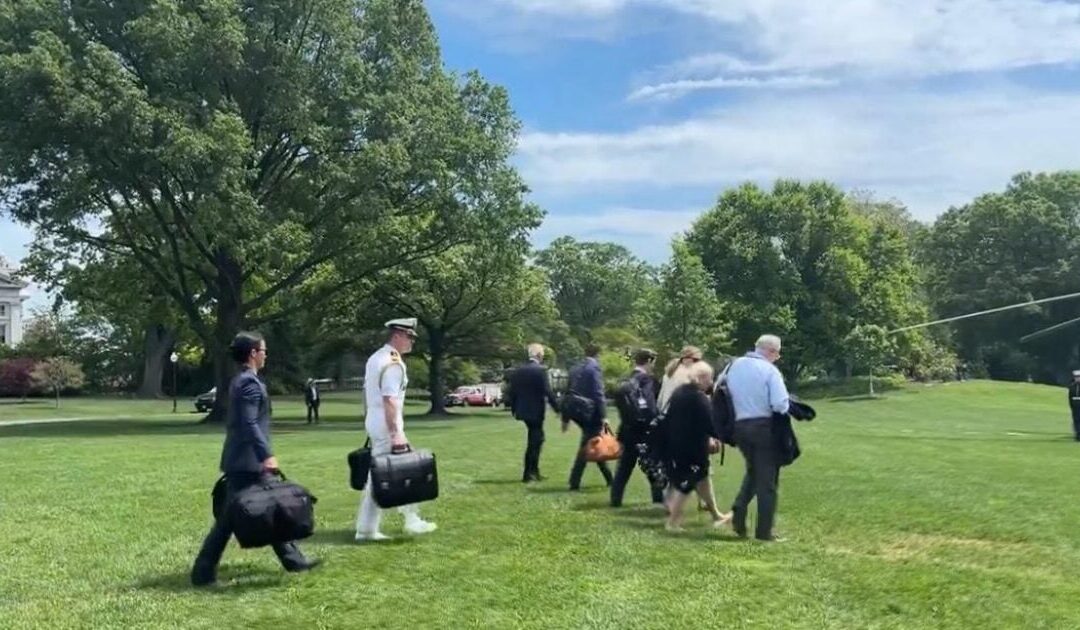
[529, 389]
[312, 400]
[587, 380]
[246, 458]
[1074, 403]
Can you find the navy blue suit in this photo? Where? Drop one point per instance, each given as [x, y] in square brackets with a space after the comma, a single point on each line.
[247, 430]
[529, 389]
[247, 446]
[588, 380]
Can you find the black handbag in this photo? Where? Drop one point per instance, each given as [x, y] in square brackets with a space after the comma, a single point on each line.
[578, 408]
[359, 466]
[272, 511]
[404, 478]
[217, 497]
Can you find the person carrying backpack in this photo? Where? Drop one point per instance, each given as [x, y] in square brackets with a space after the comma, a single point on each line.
[636, 402]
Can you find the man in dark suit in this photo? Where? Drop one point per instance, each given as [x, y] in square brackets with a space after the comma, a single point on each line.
[312, 400]
[529, 389]
[587, 380]
[246, 458]
[1074, 403]
[634, 418]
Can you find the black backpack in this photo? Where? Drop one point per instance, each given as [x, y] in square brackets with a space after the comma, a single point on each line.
[723, 409]
[632, 402]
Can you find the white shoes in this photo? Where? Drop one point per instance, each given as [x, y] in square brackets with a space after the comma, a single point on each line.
[420, 526]
[373, 537]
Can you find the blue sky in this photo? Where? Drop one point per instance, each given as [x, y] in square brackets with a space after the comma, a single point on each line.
[638, 113]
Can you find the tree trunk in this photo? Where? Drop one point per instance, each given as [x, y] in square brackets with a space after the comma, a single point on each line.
[157, 342]
[227, 324]
[435, 373]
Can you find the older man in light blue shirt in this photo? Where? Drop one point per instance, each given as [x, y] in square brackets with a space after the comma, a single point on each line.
[757, 392]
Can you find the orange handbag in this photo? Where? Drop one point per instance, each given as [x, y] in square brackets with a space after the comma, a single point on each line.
[603, 447]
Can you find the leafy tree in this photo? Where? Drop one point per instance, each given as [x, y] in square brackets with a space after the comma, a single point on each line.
[1003, 248]
[798, 261]
[593, 284]
[253, 158]
[683, 309]
[57, 374]
[16, 376]
[471, 302]
[139, 320]
[869, 346]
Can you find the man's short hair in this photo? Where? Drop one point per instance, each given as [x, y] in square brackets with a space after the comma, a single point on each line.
[592, 350]
[535, 350]
[243, 344]
[768, 342]
[644, 356]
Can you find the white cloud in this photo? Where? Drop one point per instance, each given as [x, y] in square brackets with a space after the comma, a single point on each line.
[928, 150]
[648, 233]
[675, 89]
[841, 38]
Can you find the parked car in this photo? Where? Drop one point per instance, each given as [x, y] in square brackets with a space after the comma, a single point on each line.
[457, 397]
[482, 395]
[485, 395]
[205, 402]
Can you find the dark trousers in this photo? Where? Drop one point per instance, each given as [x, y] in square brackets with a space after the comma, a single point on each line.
[627, 463]
[588, 432]
[205, 567]
[534, 441]
[1076, 423]
[313, 408]
[758, 447]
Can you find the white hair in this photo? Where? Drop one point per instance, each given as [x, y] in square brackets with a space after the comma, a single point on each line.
[536, 351]
[768, 342]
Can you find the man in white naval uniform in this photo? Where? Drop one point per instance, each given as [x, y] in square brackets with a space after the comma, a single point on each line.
[385, 380]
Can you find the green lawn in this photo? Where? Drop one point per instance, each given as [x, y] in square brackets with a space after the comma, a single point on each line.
[948, 506]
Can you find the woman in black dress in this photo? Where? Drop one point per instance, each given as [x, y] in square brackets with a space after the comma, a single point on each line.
[690, 439]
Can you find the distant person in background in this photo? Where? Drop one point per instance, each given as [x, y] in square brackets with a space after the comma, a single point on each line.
[636, 402]
[587, 380]
[529, 390]
[1074, 403]
[311, 398]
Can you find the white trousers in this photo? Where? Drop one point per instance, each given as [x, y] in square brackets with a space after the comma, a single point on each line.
[369, 515]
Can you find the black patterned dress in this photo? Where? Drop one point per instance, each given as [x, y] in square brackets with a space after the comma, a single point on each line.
[686, 428]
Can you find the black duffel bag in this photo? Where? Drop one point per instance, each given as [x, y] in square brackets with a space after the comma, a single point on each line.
[271, 511]
[359, 466]
[404, 478]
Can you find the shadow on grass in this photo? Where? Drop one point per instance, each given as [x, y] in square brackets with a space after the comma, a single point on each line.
[347, 538]
[857, 399]
[499, 482]
[136, 427]
[232, 579]
[561, 489]
[694, 532]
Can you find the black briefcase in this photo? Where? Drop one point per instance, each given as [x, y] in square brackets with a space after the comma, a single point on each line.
[404, 478]
[272, 511]
[359, 466]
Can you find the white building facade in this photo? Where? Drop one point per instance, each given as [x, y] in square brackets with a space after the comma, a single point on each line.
[11, 308]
